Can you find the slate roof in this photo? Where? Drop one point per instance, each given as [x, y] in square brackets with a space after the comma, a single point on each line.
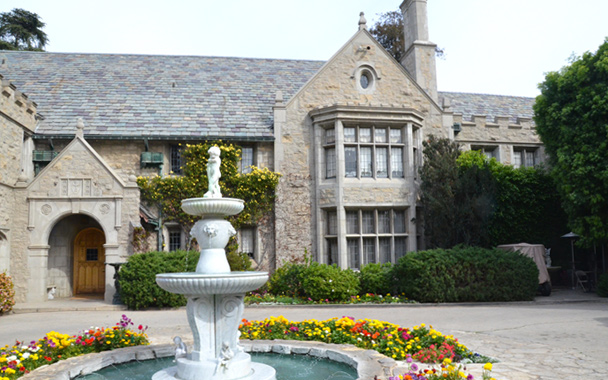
[181, 97]
[489, 105]
[155, 96]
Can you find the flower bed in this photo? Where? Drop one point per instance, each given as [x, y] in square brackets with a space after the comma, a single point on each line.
[446, 370]
[22, 358]
[422, 343]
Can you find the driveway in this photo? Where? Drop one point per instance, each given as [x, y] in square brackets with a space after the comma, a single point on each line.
[553, 338]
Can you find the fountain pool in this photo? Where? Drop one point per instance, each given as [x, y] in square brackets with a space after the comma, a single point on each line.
[287, 367]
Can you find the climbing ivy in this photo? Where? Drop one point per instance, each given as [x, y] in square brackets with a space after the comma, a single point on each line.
[256, 188]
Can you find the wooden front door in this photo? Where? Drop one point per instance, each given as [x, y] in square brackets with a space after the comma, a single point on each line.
[89, 258]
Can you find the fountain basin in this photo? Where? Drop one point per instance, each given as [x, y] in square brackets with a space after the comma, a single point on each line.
[198, 284]
[212, 206]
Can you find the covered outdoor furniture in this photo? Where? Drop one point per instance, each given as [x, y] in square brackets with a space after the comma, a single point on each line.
[583, 281]
[537, 253]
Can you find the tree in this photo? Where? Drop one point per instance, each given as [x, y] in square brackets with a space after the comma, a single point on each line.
[22, 30]
[256, 188]
[472, 200]
[526, 205]
[388, 31]
[457, 200]
[571, 116]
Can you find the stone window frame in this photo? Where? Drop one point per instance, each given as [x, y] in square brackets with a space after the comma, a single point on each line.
[524, 152]
[490, 151]
[175, 158]
[374, 147]
[367, 70]
[174, 239]
[248, 159]
[242, 234]
[357, 240]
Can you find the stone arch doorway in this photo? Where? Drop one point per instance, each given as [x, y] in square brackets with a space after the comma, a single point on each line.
[63, 243]
[89, 262]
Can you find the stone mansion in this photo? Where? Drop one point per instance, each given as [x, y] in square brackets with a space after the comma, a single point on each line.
[346, 135]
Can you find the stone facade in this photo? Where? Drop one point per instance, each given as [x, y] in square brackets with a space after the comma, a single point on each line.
[346, 136]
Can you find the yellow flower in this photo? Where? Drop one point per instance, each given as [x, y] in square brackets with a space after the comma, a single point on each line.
[487, 366]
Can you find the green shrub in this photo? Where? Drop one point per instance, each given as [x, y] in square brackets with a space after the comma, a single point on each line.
[602, 285]
[238, 261]
[138, 288]
[328, 282]
[286, 280]
[7, 293]
[466, 274]
[375, 279]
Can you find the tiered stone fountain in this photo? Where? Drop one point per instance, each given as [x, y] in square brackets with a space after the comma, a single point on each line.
[215, 294]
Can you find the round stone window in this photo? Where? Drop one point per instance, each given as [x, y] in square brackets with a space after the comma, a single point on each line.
[365, 79]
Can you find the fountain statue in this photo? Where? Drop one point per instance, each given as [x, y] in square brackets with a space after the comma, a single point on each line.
[215, 294]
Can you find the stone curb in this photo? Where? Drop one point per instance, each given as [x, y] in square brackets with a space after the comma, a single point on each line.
[101, 307]
[368, 363]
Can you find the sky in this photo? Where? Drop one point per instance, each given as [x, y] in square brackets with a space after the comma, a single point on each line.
[491, 46]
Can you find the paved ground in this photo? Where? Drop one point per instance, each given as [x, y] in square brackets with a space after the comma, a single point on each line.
[564, 336]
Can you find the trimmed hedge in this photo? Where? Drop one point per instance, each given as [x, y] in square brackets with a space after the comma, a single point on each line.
[319, 282]
[602, 285]
[466, 274]
[285, 281]
[376, 279]
[138, 288]
[137, 279]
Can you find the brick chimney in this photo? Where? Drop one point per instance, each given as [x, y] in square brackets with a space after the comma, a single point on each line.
[419, 57]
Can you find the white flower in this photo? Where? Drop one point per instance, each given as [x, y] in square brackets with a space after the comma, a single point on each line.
[330, 280]
[25, 355]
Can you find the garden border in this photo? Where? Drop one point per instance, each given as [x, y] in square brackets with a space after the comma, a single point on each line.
[368, 363]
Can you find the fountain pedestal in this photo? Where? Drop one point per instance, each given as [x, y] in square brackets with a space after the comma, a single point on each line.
[215, 301]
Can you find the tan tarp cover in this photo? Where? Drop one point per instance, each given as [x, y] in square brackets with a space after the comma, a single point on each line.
[534, 251]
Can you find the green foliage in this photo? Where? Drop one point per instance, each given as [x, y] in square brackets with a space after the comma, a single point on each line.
[22, 30]
[466, 274]
[7, 293]
[525, 203]
[458, 201]
[138, 288]
[375, 279]
[439, 174]
[256, 188]
[571, 116]
[472, 200]
[238, 261]
[286, 280]
[388, 31]
[602, 285]
[328, 282]
[313, 281]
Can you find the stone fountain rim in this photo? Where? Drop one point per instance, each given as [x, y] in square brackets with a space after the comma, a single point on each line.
[194, 275]
[367, 362]
[212, 207]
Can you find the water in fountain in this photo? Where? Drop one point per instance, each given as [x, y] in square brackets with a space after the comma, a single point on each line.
[215, 294]
[288, 367]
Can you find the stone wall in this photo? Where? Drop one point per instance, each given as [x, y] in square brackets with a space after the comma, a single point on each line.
[502, 132]
[336, 84]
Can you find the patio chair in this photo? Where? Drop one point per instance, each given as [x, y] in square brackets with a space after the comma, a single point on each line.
[582, 280]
